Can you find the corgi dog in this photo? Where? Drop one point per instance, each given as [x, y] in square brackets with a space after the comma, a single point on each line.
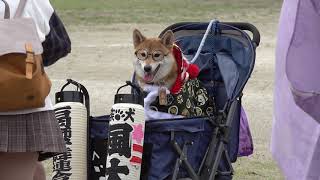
[159, 62]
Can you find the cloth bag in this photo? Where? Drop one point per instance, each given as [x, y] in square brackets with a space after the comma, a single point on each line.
[23, 81]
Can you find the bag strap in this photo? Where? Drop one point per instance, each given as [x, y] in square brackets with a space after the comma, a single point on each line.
[30, 61]
[20, 8]
[6, 10]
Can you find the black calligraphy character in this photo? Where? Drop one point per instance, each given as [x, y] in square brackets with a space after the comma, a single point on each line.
[129, 114]
[98, 164]
[65, 156]
[63, 115]
[115, 169]
[61, 168]
[67, 135]
[64, 120]
[116, 114]
[119, 141]
[112, 114]
[61, 176]
[63, 165]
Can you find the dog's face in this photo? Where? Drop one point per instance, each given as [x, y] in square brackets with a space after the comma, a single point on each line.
[154, 61]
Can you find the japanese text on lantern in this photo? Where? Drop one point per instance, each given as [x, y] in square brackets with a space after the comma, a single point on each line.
[62, 163]
[123, 133]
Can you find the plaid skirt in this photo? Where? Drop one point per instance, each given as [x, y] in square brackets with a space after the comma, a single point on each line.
[34, 132]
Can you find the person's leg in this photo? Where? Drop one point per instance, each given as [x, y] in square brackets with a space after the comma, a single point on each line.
[18, 166]
[39, 173]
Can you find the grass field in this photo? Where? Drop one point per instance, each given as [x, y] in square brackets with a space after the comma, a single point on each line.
[101, 34]
[162, 11]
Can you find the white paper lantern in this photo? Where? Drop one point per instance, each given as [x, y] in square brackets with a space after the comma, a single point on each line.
[72, 118]
[126, 137]
[72, 115]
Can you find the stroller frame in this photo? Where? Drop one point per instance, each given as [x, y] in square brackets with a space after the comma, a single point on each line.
[209, 165]
[223, 122]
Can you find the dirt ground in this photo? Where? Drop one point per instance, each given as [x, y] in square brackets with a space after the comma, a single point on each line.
[101, 60]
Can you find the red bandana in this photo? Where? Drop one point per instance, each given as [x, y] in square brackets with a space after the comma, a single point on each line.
[186, 70]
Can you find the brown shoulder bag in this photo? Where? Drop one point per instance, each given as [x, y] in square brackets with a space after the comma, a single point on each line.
[23, 81]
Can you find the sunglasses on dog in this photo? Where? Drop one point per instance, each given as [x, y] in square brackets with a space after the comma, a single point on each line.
[143, 54]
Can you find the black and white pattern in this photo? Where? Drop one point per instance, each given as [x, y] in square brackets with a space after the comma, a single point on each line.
[192, 101]
[62, 163]
[57, 43]
[125, 141]
[72, 119]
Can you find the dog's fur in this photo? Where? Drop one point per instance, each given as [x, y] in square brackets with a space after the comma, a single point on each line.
[191, 100]
[167, 72]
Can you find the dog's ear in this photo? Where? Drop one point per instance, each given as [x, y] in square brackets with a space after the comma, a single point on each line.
[138, 38]
[168, 39]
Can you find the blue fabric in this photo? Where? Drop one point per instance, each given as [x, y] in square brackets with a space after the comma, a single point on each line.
[229, 71]
[97, 146]
[233, 143]
[163, 156]
[241, 54]
[99, 127]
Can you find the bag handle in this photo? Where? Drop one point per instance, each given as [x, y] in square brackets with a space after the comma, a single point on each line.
[135, 98]
[129, 83]
[6, 10]
[81, 89]
[20, 8]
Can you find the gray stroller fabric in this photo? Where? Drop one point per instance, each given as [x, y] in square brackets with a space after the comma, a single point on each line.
[229, 72]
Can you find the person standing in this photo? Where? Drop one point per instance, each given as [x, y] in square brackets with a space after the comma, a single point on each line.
[31, 135]
[295, 142]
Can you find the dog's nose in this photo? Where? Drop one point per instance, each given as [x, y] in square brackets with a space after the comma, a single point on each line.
[147, 68]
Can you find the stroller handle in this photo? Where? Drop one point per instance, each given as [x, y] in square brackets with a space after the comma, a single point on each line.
[240, 25]
[247, 27]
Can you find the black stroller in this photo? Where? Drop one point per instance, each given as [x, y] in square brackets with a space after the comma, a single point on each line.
[203, 148]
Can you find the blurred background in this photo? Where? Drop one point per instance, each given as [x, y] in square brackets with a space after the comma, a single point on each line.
[102, 52]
